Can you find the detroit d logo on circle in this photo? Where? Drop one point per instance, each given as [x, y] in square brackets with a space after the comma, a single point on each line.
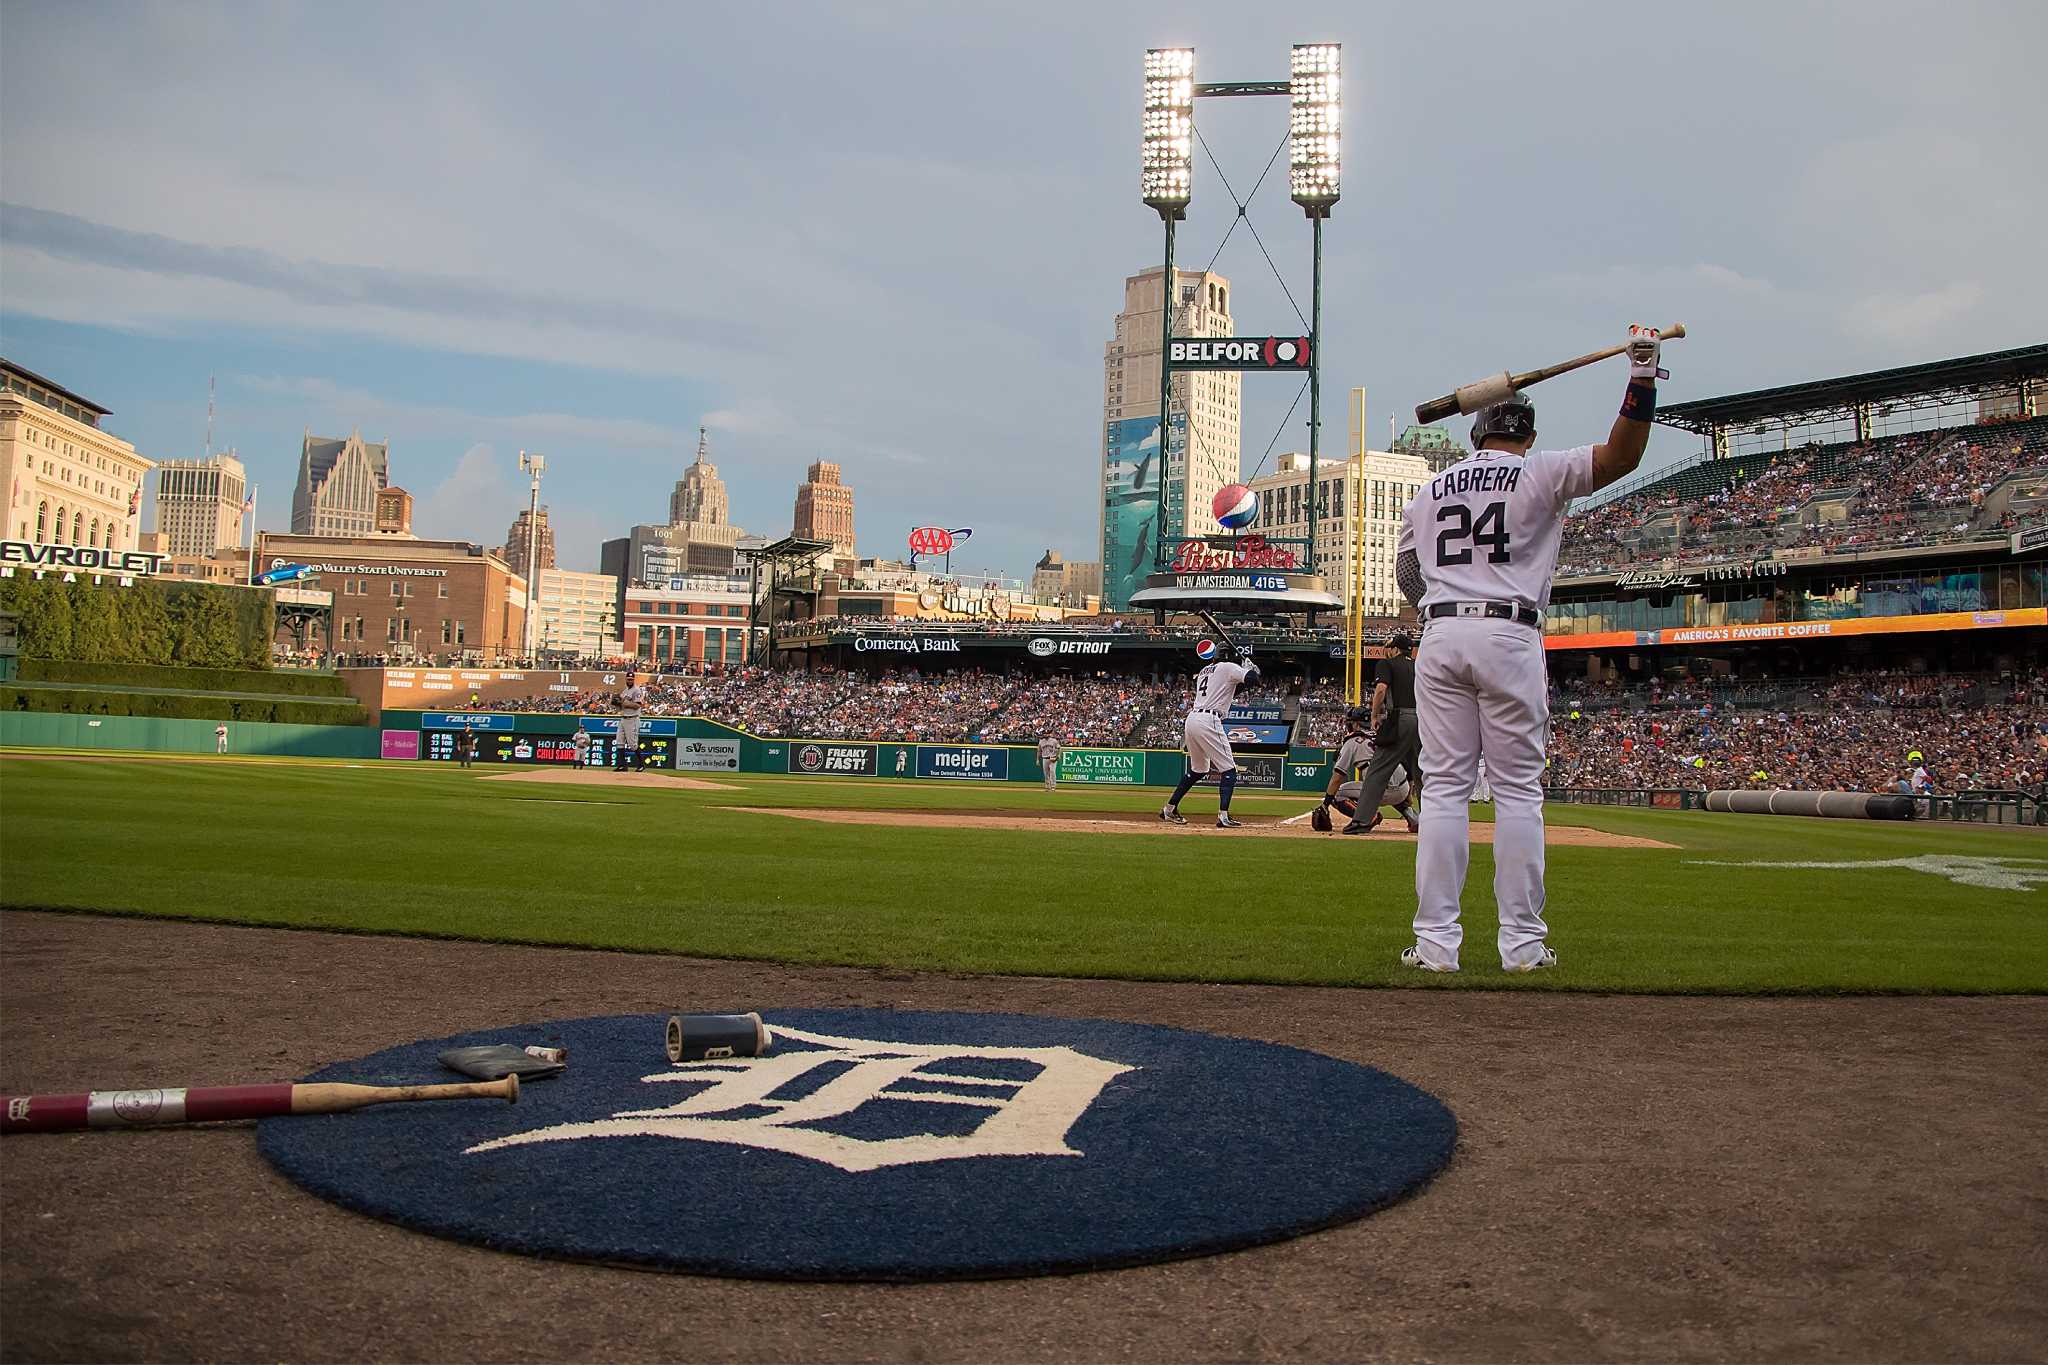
[1022, 1118]
[880, 1144]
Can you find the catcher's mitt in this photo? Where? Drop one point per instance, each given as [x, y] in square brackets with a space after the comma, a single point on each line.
[1319, 819]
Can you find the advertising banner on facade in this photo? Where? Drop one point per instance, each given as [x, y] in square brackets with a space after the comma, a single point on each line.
[708, 755]
[822, 757]
[963, 761]
[1103, 767]
[401, 744]
[1131, 473]
[649, 725]
[464, 720]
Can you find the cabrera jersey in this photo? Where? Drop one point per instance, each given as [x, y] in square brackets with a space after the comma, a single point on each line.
[1216, 688]
[1487, 529]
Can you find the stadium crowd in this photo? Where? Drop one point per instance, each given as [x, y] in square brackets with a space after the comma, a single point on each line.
[913, 705]
[1904, 490]
[1853, 732]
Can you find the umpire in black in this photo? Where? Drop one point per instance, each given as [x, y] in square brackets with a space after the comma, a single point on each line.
[1397, 742]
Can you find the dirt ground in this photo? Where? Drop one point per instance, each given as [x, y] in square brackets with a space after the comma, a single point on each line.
[1666, 1178]
[1146, 822]
[597, 777]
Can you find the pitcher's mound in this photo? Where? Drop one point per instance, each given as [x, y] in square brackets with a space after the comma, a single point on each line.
[1148, 822]
[604, 777]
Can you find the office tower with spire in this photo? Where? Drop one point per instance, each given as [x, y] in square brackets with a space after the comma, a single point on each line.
[339, 479]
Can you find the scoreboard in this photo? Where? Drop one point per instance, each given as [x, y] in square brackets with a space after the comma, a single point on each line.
[656, 751]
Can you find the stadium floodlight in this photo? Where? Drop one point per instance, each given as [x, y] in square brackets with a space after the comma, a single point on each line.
[1169, 142]
[1314, 137]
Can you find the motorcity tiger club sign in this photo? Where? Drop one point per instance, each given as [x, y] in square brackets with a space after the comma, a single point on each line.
[1238, 353]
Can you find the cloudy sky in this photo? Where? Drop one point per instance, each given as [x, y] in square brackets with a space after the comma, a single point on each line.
[894, 235]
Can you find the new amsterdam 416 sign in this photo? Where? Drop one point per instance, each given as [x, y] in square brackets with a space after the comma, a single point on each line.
[1238, 353]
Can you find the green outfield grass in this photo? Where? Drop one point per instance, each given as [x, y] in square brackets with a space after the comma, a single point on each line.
[428, 849]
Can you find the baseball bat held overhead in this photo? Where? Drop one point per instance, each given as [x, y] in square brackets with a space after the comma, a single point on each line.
[1473, 397]
[215, 1103]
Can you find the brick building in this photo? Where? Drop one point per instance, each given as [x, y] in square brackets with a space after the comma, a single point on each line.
[411, 599]
[696, 624]
[824, 509]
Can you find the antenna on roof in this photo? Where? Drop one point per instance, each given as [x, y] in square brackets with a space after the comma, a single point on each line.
[703, 444]
[209, 417]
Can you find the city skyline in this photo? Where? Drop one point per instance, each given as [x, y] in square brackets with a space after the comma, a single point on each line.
[469, 267]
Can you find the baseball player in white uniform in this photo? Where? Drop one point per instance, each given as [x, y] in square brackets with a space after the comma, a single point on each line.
[630, 701]
[1208, 747]
[1477, 549]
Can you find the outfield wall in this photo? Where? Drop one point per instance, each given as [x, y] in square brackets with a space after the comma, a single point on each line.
[150, 734]
[692, 744]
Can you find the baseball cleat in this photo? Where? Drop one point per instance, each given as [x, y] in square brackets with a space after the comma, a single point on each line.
[1172, 816]
[1414, 825]
[1547, 958]
[1355, 828]
[1225, 822]
[1411, 956]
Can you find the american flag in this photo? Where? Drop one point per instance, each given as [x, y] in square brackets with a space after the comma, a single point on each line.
[248, 506]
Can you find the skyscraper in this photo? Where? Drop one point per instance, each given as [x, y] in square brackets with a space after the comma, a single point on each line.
[824, 508]
[199, 505]
[518, 543]
[699, 495]
[1202, 454]
[336, 494]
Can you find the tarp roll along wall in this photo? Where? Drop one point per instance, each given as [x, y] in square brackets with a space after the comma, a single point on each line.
[1837, 805]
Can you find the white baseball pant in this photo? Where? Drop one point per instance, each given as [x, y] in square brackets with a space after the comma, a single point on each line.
[1208, 749]
[1480, 686]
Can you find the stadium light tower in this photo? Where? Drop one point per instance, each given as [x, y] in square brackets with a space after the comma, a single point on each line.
[1314, 88]
[533, 463]
[1166, 179]
[1315, 164]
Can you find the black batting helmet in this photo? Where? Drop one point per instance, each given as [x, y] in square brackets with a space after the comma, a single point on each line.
[1513, 417]
[1358, 718]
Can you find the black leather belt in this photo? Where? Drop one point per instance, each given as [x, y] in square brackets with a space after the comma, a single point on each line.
[1499, 611]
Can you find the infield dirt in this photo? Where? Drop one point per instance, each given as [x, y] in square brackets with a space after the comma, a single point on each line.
[1637, 1177]
[1146, 822]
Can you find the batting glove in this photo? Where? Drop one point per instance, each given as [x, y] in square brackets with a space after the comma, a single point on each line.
[1643, 349]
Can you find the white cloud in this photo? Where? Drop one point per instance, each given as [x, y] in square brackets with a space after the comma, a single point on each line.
[479, 492]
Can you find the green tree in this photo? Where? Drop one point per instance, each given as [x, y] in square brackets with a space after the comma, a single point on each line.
[95, 622]
[149, 624]
[45, 619]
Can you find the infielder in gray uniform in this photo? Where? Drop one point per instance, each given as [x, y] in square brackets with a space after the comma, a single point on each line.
[1049, 760]
[1477, 550]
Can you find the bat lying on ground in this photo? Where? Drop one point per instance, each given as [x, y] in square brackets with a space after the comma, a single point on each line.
[1473, 397]
[213, 1103]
